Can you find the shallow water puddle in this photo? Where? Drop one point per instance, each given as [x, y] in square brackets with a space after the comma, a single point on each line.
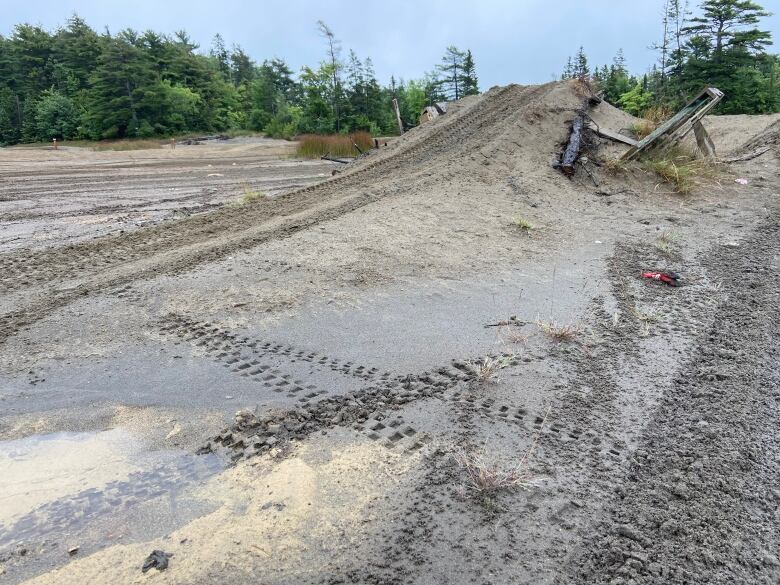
[90, 490]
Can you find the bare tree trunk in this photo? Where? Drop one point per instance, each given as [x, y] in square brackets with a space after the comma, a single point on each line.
[398, 116]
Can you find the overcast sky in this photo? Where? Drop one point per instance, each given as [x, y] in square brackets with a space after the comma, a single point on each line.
[521, 41]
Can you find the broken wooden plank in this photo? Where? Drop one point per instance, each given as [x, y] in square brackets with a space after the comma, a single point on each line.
[706, 146]
[616, 136]
[694, 110]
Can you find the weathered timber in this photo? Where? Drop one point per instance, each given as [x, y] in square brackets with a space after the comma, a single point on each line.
[694, 111]
[572, 152]
[616, 136]
[706, 146]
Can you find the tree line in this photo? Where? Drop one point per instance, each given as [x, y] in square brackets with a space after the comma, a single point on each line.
[74, 83]
[720, 45]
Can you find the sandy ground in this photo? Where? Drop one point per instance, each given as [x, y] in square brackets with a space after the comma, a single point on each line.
[347, 321]
[51, 197]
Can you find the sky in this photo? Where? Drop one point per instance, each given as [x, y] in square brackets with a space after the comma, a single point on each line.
[513, 41]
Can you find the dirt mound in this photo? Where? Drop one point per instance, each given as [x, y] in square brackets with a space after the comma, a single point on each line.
[768, 137]
[504, 139]
[509, 131]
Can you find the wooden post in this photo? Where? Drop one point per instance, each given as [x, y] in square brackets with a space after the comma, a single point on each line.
[398, 116]
[173, 144]
[703, 139]
[55, 143]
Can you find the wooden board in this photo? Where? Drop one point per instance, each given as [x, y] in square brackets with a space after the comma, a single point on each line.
[616, 136]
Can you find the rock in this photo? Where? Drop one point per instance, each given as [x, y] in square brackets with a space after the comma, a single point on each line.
[630, 532]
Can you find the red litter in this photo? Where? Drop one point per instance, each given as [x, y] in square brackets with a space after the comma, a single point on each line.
[670, 278]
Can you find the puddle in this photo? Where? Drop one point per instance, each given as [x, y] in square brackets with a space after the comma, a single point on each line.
[91, 490]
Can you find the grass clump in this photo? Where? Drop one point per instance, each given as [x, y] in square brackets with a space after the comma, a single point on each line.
[668, 243]
[522, 223]
[485, 477]
[249, 196]
[559, 332]
[615, 165]
[645, 318]
[317, 145]
[680, 168]
[657, 114]
[642, 128]
[487, 368]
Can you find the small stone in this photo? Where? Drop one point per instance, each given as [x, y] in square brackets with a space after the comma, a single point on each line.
[630, 533]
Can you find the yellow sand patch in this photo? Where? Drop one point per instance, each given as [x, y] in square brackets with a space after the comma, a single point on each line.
[288, 518]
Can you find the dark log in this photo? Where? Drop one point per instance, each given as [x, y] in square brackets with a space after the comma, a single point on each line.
[572, 152]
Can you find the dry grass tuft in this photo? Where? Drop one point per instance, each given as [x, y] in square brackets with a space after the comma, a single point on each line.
[249, 196]
[317, 145]
[485, 477]
[487, 368]
[512, 335]
[522, 223]
[668, 243]
[645, 319]
[615, 165]
[559, 332]
[642, 128]
[680, 168]
[658, 113]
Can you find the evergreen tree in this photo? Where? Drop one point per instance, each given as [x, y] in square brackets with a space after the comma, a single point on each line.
[581, 68]
[723, 47]
[220, 55]
[451, 71]
[470, 81]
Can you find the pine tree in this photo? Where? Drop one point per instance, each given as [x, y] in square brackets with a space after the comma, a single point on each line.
[220, 55]
[451, 71]
[581, 69]
[470, 81]
[568, 70]
[723, 48]
[242, 68]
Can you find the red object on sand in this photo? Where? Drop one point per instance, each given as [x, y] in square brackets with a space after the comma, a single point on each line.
[670, 278]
